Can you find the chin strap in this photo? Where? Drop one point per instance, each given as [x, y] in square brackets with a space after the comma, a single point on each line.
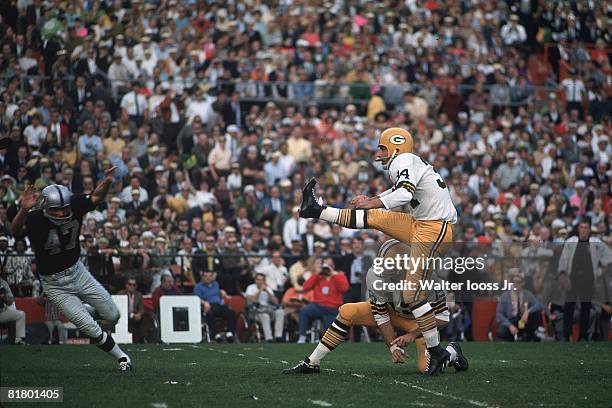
[388, 164]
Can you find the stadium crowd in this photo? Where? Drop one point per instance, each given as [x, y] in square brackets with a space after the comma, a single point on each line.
[215, 113]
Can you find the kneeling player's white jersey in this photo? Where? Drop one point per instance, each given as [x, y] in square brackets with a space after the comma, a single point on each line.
[417, 186]
[380, 295]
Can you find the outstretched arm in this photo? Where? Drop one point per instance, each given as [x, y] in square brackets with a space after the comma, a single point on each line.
[101, 190]
[26, 202]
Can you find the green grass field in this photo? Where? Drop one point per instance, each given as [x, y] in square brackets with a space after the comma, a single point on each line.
[355, 375]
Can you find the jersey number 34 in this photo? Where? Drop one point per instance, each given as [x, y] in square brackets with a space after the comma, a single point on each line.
[54, 245]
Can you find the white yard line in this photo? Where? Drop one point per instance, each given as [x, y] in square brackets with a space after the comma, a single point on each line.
[448, 396]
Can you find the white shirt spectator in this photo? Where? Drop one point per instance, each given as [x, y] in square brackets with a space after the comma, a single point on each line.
[264, 297]
[132, 67]
[276, 276]
[512, 34]
[292, 229]
[201, 108]
[35, 135]
[118, 75]
[134, 103]
[574, 89]
[126, 195]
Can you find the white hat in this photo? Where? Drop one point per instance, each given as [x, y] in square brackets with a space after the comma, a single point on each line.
[558, 223]
[147, 234]
[579, 184]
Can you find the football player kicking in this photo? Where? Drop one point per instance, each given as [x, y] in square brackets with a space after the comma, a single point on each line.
[386, 310]
[426, 226]
[53, 231]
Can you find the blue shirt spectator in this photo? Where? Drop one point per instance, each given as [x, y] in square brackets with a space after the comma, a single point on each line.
[209, 291]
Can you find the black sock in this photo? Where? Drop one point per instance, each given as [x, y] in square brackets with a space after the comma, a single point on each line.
[108, 344]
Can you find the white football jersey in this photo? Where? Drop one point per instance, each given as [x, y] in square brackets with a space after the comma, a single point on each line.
[416, 183]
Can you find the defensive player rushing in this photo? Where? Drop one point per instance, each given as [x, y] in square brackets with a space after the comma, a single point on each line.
[425, 226]
[386, 310]
[53, 231]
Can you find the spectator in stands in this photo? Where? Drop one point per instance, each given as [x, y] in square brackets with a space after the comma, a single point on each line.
[5, 257]
[512, 33]
[579, 268]
[211, 298]
[294, 299]
[518, 312]
[275, 272]
[233, 266]
[265, 307]
[136, 312]
[53, 320]
[328, 287]
[9, 313]
[19, 271]
[166, 288]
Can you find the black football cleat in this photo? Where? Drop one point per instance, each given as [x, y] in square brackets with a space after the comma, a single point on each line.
[303, 367]
[437, 360]
[460, 363]
[125, 364]
[310, 207]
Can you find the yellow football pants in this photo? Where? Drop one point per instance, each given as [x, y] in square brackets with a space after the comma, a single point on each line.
[427, 239]
[360, 314]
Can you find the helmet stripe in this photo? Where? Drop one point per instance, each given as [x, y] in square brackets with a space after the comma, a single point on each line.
[59, 191]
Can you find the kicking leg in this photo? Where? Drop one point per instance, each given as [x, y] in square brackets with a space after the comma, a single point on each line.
[397, 225]
[95, 295]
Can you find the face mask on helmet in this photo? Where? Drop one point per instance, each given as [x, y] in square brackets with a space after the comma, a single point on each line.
[58, 215]
[385, 159]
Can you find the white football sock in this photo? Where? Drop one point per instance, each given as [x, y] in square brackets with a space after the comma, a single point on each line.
[330, 214]
[318, 354]
[453, 353]
[431, 337]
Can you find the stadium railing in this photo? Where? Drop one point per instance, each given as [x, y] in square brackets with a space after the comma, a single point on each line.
[303, 94]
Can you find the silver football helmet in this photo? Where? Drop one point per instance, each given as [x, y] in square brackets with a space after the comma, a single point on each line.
[57, 196]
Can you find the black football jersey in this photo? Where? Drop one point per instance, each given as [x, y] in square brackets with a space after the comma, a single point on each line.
[57, 247]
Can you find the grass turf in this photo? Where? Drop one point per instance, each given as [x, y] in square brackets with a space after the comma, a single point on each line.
[231, 375]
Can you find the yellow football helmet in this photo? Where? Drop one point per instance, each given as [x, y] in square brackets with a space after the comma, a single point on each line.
[393, 141]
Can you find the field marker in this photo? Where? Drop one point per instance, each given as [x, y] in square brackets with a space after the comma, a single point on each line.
[159, 405]
[173, 349]
[358, 375]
